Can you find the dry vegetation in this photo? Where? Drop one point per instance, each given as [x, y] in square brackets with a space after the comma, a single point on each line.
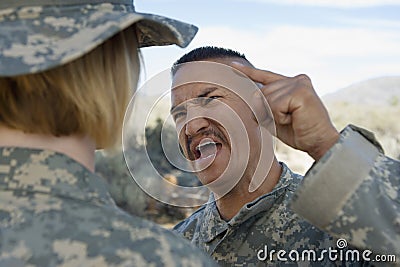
[383, 121]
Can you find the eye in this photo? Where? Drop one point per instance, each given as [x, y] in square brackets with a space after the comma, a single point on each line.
[211, 98]
[178, 115]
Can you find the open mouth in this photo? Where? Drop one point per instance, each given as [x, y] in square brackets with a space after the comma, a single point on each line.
[206, 148]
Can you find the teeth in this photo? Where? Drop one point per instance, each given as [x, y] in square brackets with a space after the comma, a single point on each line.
[209, 156]
[204, 144]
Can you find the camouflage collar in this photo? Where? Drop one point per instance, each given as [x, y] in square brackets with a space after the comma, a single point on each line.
[32, 171]
[212, 224]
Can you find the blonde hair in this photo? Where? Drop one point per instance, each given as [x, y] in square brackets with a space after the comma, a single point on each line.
[87, 96]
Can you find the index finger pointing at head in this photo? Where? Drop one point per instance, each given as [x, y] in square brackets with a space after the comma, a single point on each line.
[261, 76]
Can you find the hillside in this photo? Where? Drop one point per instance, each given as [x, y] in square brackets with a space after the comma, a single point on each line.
[381, 91]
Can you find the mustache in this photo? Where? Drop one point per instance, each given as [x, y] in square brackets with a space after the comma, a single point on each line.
[205, 133]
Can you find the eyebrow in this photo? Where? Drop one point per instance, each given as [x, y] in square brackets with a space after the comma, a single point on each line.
[205, 93]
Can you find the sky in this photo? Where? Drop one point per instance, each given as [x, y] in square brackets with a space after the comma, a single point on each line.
[336, 43]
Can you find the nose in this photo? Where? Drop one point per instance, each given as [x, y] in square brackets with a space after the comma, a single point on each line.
[195, 126]
[195, 122]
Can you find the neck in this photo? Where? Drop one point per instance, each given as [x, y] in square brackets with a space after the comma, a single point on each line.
[230, 204]
[76, 147]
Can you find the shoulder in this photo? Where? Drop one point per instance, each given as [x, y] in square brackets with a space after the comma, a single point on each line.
[65, 216]
[189, 225]
[134, 240]
[74, 233]
[162, 246]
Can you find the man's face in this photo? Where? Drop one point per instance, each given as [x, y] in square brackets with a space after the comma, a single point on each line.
[216, 126]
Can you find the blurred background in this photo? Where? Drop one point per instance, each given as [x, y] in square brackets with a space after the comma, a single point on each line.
[349, 49]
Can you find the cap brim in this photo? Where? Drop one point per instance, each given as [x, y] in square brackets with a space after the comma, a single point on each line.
[33, 39]
[157, 30]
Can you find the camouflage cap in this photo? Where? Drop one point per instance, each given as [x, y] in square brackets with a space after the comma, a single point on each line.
[36, 35]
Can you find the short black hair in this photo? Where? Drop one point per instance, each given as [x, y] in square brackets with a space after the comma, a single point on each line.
[204, 53]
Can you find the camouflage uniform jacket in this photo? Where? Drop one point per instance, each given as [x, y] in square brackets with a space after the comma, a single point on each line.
[261, 226]
[365, 185]
[54, 212]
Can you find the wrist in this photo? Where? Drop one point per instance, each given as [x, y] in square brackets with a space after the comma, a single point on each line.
[324, 145]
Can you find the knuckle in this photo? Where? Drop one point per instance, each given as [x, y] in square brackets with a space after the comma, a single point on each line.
[303, 84]
[303, 78]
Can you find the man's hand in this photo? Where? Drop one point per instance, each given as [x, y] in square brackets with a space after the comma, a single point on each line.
[301, 119]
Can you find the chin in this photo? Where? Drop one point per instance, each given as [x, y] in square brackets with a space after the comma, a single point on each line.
[207, 176]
